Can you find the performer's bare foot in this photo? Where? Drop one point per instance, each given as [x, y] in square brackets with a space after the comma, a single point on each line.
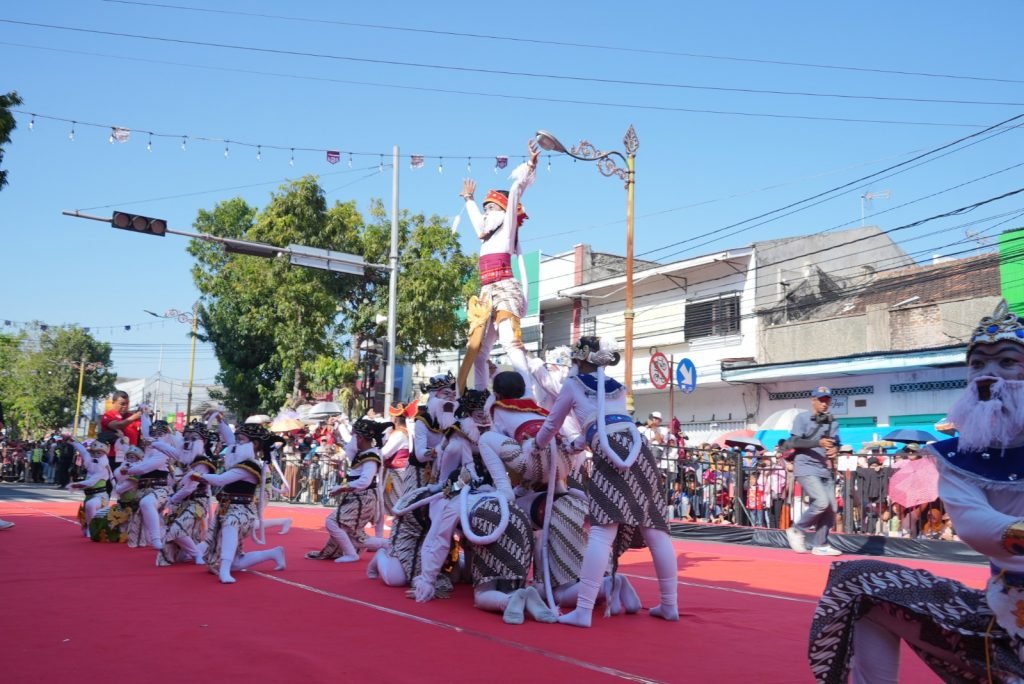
[630, 600]
[536, 608]
[670, 613]
[577, 618]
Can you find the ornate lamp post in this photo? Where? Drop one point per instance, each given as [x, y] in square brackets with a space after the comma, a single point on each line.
[585, 151]
[188, 318]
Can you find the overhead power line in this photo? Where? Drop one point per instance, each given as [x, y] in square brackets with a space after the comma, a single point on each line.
[557, 43]
[507, 72]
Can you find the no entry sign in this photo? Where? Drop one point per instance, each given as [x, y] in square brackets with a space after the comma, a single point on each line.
[661, 371]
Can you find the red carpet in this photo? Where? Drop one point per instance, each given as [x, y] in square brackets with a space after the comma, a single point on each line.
[84, 612]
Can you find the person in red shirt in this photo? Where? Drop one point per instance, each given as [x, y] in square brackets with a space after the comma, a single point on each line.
[118, 419]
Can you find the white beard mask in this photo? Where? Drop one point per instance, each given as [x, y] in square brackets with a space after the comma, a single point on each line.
[441, 410]
[493, 220]
[239, 453]
[993, 423]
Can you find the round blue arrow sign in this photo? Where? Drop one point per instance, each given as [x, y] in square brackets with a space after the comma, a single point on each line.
[686, 376]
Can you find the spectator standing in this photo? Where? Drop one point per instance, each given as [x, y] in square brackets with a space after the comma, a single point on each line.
[120, 420]
[292, 467]
[815, 436]
[36, 468]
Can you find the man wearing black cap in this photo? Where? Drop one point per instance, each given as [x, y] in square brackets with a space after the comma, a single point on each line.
[815, 436]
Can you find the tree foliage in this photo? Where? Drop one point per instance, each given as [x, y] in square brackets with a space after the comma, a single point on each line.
[280, 330]
[39, 380]
[7, 125]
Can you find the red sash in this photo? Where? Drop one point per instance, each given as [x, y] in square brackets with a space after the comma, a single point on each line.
[399, 460]
[495, 267]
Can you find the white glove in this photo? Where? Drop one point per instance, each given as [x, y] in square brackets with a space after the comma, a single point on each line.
[423, 589]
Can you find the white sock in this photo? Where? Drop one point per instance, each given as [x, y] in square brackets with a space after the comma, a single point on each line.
[664, 557]
[595, 560]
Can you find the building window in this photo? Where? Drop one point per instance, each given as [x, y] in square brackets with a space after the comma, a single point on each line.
[713, 317]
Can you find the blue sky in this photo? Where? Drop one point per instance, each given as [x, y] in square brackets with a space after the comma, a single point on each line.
[696, 172]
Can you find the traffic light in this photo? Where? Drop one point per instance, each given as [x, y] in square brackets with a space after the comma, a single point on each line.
[139, 224]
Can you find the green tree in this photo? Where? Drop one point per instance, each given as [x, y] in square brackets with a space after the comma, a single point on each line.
[7, 124]
[42, 385]
[276, 328]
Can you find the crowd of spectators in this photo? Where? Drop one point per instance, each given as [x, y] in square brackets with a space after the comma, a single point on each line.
[728, 485]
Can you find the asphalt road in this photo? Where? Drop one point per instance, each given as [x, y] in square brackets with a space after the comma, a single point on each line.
[21, 491]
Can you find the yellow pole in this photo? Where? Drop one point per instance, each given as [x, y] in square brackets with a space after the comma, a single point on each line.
[78, 403]
[628, 315]
[192, 363]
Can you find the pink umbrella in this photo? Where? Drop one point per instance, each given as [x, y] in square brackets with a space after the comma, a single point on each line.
[915, 483]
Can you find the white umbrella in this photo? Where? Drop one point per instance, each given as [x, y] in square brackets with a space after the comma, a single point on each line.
[259, 419]
[286, 421]
[325, 408]
[781, 420]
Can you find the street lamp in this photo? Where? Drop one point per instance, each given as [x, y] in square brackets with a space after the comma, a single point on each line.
[81, 367]
[585, 151]
[189, 318]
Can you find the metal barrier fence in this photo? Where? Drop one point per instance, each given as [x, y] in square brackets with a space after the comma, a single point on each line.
[732, 487]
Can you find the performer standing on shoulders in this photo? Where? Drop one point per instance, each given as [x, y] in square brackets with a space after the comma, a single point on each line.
[962, 634]
[496, 313]
[626, 505]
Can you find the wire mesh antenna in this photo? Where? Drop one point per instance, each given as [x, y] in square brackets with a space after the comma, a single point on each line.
[867, 197]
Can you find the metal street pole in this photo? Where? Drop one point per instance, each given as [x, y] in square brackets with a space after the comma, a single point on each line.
[629, 314]
[78, 403]
[192, 363]
[389, 371]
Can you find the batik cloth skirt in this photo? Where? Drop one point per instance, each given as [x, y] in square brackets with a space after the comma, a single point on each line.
[394, 487]
[567, 537]
[240, 515]
[948, 616]
[507, 561]
[355, 511]
[632, 499]
[81, 507]
[136, 530]
[189, 518]
[505, 295]
[110, 525]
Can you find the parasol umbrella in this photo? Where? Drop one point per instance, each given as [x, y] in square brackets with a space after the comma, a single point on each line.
[287, 421]
[740, 438]
[915, 483]
[781, 420]
[259, 419]
[324, 409]
[907, 436]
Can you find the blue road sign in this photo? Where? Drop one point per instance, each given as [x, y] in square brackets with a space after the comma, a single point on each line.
[686, 376]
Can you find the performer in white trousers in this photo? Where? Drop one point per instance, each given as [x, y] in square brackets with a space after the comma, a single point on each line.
[496, 313]
[97, 475]
[625, 488]
[153, 478]
[360, 498]
[515, 423]
[962, 634]
[495, 531]
[239, 505]
[189, 506]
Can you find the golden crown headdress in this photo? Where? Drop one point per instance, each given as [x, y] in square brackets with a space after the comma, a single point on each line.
[1002, 326]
